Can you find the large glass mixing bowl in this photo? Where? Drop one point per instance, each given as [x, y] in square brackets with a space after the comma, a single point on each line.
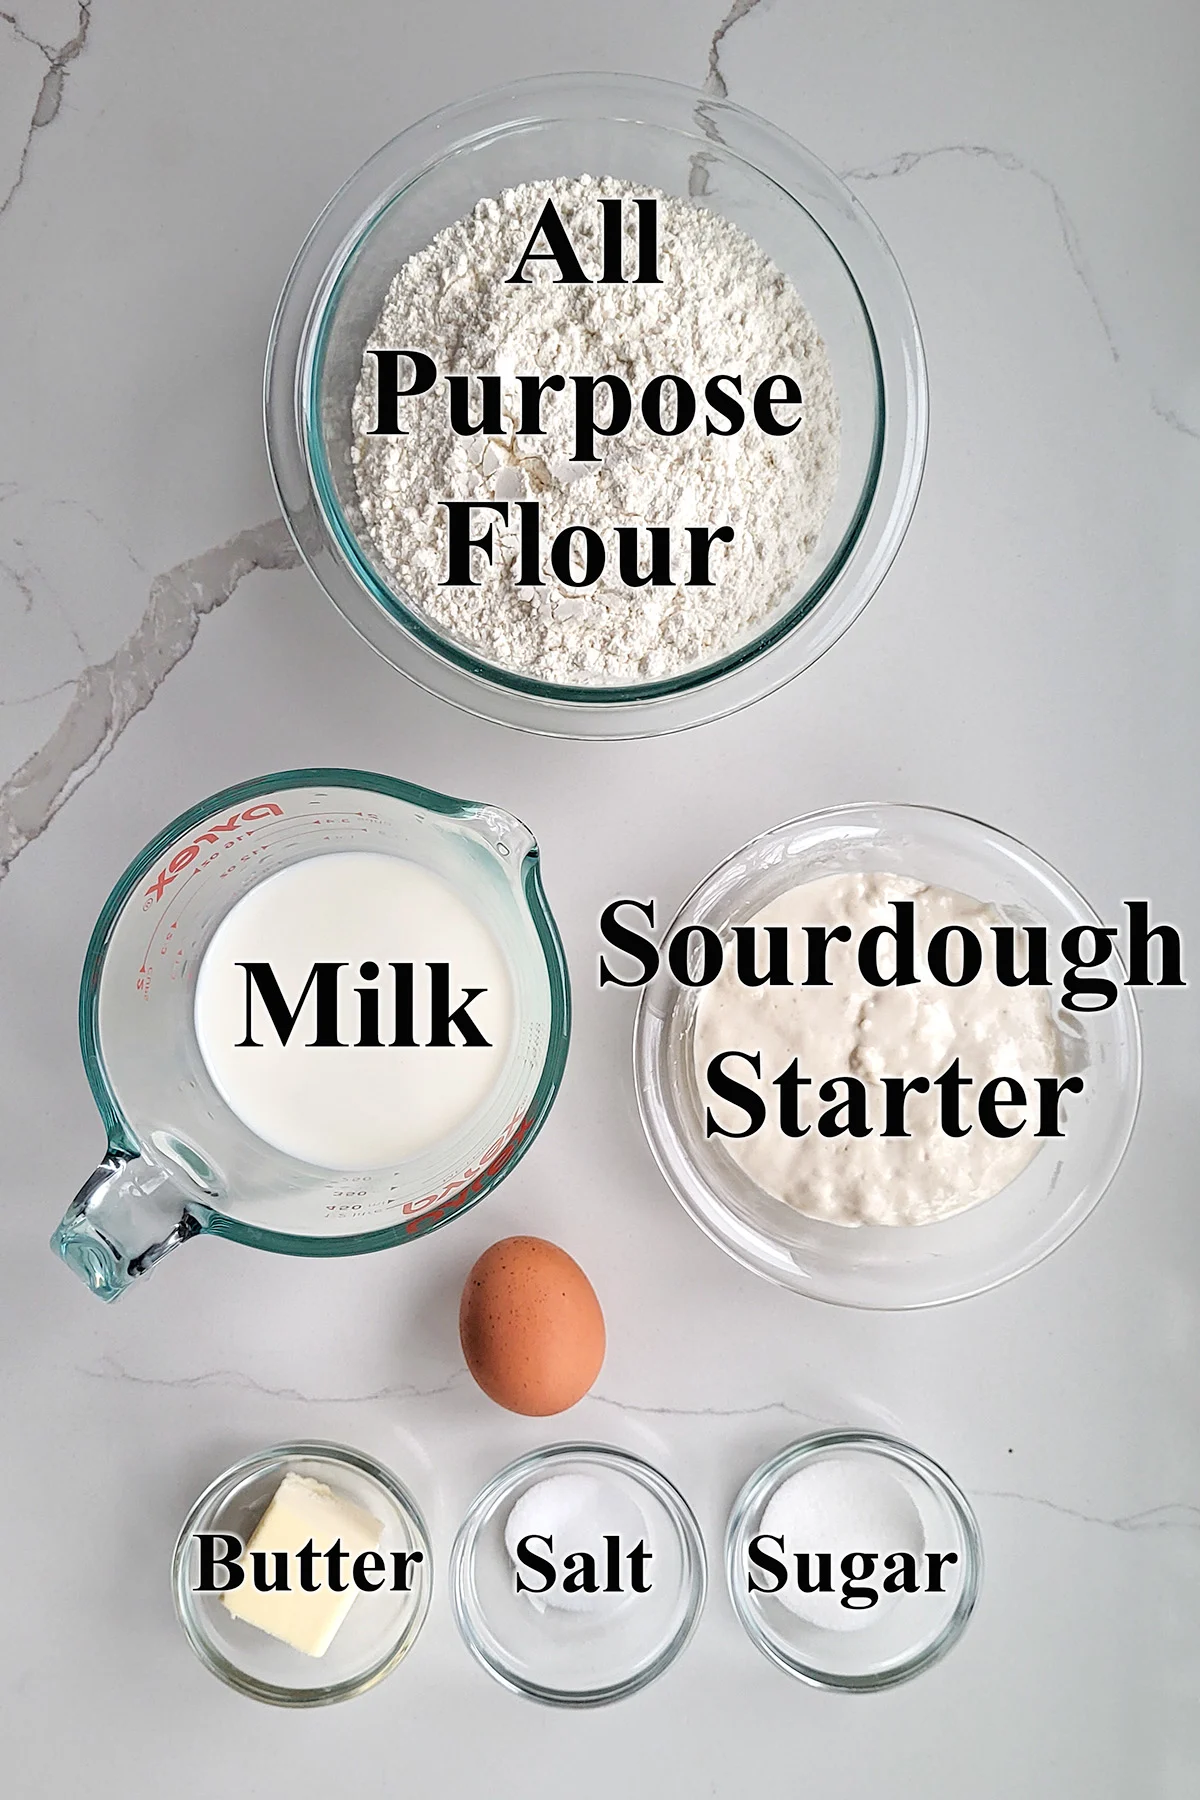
[687, 144]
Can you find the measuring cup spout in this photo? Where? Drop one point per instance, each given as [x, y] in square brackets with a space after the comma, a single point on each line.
[124, 1219]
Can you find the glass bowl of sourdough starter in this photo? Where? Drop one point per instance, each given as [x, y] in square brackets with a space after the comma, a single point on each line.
[892, 1267]
[658, 135]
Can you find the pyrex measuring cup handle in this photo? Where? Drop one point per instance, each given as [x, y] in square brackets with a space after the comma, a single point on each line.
[124, 1219]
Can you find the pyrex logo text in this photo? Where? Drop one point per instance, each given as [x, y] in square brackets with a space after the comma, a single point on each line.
[182, 858]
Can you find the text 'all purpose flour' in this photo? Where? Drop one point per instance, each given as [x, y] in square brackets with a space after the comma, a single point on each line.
[744, 504]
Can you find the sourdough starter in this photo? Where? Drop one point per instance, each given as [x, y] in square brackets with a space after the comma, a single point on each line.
[853, 1028]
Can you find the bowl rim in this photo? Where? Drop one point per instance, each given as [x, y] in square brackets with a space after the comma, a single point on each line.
[646, 1476]
[335, 1455]
[765, 1481]
[708, 1211]
[299, 468]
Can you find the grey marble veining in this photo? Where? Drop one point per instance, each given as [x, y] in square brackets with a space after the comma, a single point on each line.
[58, 59]
[1030, 659]
[106, 696]
[907, 160]
[1175, 1517]
[714, 81]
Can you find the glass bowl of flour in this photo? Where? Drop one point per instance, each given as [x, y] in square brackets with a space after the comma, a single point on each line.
[891, 1221]
[521, 547]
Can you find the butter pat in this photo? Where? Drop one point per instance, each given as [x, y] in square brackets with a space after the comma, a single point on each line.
[302, 1512]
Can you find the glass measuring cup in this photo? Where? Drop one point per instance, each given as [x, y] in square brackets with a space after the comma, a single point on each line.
[179, 1161]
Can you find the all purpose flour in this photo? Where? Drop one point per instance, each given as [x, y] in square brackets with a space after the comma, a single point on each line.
[721, 305]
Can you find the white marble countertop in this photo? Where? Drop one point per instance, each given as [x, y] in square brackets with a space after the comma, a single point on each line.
[1031, 659]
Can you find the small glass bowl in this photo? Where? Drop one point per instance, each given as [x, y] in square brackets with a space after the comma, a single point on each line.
[687, 144]
[578, 1659]
[890, 1267]
[914, 1631]
[379, 1629]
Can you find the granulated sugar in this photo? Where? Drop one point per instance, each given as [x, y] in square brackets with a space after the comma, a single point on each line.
[842, 1507]
[721, 306]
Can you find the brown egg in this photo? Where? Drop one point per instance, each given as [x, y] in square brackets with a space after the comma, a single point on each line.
[531, 1327]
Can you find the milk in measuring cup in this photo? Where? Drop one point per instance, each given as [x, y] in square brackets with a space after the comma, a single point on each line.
[352, 1010]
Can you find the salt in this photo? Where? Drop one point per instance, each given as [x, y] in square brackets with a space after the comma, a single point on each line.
[577, 1513]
